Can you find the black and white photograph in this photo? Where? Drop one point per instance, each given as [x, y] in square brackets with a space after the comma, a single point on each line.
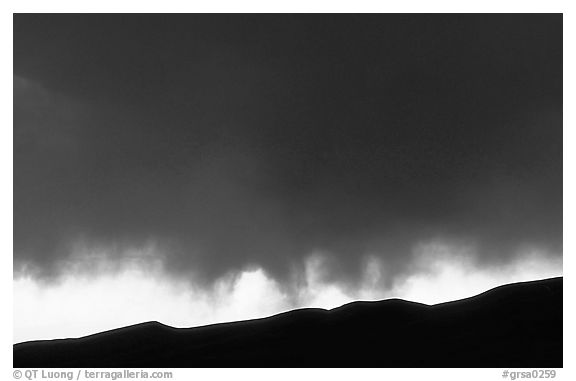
[288, 190]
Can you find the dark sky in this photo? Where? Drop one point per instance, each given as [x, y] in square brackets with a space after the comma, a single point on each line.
[229, 141]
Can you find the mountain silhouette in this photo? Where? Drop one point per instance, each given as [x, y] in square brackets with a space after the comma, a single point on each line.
[516, 325]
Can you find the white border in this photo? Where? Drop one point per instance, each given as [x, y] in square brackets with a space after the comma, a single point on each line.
[296, 6]
[287, 6]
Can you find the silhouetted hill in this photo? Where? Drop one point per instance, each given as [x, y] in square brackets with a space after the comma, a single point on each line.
[516, 325]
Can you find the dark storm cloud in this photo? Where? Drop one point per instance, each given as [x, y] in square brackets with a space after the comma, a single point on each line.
[238, 140]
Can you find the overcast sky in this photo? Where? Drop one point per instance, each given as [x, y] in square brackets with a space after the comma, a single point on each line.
[366, 149]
